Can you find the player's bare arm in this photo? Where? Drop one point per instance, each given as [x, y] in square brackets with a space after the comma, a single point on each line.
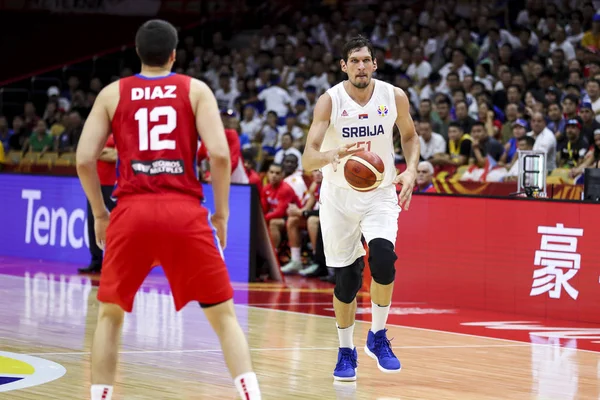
[212, 133]
[313, 158]
[92, 141]
[411, 147]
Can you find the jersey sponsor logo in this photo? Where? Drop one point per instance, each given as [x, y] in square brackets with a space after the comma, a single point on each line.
[157, 92]
[362, 131]
[18, 371]
[363, 116]
[382, 111]
[344, 113]
[157, 167]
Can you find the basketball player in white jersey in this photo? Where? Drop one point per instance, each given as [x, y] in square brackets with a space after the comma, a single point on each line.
[359, 114]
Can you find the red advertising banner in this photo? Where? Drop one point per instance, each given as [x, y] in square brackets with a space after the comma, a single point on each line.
[532, 257]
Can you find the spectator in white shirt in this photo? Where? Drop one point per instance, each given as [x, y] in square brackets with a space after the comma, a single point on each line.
[431, 143]
[319, 78]
[226, 95]
[457, 64]
[287, 148]
[433, 87]
[297, 91]
[561, 42]
[293, 174]
[420, 69]
[268, 135]
[544, 139]
[251, 123]
[311, 94]
[304, 117]
[291, 127]
[276, 99]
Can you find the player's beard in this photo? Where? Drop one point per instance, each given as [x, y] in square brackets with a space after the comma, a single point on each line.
[360, 83]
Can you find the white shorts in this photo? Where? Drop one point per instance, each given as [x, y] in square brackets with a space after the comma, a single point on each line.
[345, 214]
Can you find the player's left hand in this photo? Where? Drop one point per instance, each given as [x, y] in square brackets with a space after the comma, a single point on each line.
[100, 225]
[293, 211]
[407, 180]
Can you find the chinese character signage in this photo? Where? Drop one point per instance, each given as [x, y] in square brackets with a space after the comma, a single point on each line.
[539, 258]
[559, 261]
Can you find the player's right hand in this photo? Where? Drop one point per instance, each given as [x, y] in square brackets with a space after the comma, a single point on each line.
[220, 225]
[343, 151]
[100, 225]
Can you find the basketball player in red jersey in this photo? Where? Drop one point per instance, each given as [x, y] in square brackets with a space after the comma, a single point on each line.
[155, 117]
[276, 197]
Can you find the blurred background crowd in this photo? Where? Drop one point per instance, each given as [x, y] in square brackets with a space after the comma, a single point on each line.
[484, 79]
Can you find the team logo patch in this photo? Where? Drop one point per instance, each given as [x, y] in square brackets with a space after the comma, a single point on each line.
[18, 371]
[382, 111]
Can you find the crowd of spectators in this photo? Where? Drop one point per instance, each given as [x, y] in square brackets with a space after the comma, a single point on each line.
[483, 79]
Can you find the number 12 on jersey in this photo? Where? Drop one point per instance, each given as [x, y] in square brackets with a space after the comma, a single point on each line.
[151, 140]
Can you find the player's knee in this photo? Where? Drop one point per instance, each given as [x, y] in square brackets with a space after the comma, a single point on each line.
[111, 312]
[293, 222]
[348, 281]
[276, 224]
[382, 258]
[313, 221]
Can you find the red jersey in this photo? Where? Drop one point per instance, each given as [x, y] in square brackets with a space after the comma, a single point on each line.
[317, 194]
[254, 179]
[275, 200]
[235, 149]
[155, 131]
[107, 170]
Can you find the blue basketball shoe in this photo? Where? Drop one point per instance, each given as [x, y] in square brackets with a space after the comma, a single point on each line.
[379, 348]
[345, 369]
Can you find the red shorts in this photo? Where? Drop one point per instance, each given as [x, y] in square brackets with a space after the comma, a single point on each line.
[168, 230]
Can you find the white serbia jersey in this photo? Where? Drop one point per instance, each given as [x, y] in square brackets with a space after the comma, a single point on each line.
[371, 127]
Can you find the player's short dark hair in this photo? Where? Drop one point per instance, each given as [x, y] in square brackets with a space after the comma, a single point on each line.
[276, 165]
[357, 43]
[155, 41]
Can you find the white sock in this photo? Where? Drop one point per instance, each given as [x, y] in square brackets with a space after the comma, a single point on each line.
[102, 392]
[379, 315]
[346, 336]
[295, 253]
[247, 386]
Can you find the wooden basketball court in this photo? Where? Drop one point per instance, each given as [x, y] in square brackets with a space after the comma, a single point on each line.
[165, 355]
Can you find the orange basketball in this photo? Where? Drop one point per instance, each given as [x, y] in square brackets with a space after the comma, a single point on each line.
[364, 171]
